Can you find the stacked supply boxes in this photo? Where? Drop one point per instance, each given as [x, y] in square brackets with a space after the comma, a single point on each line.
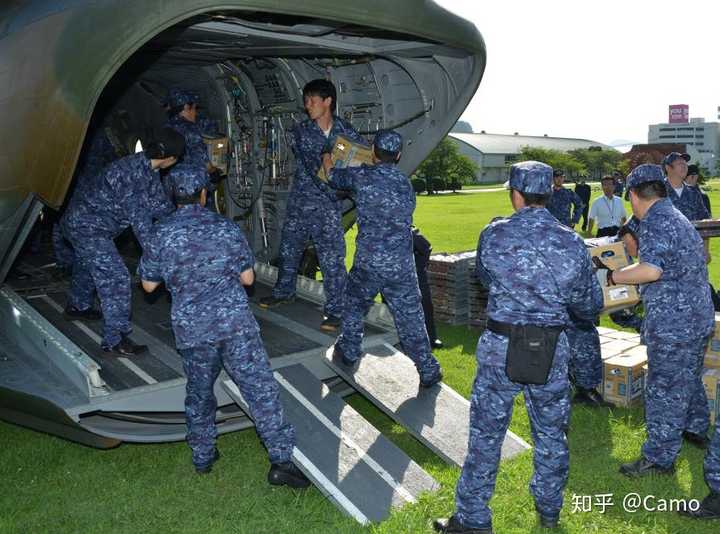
[477, 296]
[624, 367]
[711, 373]
[448, 276]
[612, 254]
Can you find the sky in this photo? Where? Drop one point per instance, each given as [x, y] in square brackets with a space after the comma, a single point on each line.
[595, 70]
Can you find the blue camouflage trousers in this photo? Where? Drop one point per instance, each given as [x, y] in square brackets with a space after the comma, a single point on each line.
[402, 296]
[64, 255]
[712, 461]
[322, 224]
[491, 407]
[98, 265]
[675, 398]
[585, 358]
[246, 361]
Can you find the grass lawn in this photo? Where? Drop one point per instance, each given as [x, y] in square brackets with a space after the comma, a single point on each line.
[51, 485]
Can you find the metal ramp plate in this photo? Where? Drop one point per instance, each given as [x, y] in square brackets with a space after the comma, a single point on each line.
[347, 459]
[438, 417]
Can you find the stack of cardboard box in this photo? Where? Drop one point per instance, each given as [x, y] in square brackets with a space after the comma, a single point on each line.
[477, 296]
[624, 367]
[711, 373]
[448, 275]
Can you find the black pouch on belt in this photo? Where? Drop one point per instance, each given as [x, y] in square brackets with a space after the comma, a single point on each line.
[530, 353]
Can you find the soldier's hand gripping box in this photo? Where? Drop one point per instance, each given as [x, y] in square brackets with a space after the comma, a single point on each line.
[346, 153]
[711, 381]
[218, 152]
[624, 378]
[613, 255]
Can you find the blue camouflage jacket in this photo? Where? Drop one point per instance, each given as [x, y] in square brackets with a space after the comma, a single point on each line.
[678, 305]
[200, 255]
[536, 271]
[308, 143]
[125, 193]
[566, 206]
[385, 203]
[195, 148]
[690, 203]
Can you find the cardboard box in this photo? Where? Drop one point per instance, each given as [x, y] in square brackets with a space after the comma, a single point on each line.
[712, 361]
[711, 381]
[346, 153]
[218, 152]
[614, 256]
[624, 379]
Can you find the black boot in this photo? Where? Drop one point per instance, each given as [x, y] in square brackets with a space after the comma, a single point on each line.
[272, 302]
[73, 314]
[701, 441]
[205, 469]
[548, 522]
[643, 467]
[127, 347]
[287, 474]
[709, 508]
[451, 525]
[431, 382]
[339, 356]
[590, 397]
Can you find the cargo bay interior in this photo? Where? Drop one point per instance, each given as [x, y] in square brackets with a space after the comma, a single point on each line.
[248, 70]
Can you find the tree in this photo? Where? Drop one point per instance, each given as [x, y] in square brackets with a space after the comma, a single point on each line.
[554, 158]
[446, 162]
[597, 161]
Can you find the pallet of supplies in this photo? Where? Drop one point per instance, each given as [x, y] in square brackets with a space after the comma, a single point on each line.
[218, 152]
[624, 379]
[449, 280]
[711, 381]
[708, 227]
[613, 255]
[346, 153]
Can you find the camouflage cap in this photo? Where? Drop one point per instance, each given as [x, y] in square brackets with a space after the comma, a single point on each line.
[187, 179]
[672, 156]
[647, 172]
[531, 177]
[178, 97]
[389, 141]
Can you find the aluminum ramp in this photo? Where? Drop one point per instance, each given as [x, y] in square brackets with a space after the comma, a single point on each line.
[348, 460]
[438, 417]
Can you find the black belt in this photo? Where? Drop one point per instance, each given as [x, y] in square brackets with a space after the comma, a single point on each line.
[503, 329]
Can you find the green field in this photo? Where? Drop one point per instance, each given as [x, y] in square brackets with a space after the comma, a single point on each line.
[50, 485]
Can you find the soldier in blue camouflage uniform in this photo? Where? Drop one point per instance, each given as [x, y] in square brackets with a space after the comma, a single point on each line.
[564, 204]
[183, 115]
[710, 505]
[313, 210]
[537, 272]
[204, 260]
[585, 361]
[679, 319]
[98, 153]
[126, 193]
[688, 200]
[384, 261]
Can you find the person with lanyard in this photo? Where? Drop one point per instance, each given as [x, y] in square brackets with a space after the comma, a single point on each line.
[524, 348]
[608, 210]
[205, 260]
[313, 209]
[564, 204]
[679, 320]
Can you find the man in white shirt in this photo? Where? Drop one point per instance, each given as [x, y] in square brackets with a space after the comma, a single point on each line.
[608, 210]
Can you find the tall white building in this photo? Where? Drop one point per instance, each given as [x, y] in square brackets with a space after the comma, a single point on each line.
[701, 138]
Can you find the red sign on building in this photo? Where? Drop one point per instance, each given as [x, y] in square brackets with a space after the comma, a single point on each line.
[679, 113]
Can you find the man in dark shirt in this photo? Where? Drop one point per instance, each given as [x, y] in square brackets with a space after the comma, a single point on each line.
[583, 191]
